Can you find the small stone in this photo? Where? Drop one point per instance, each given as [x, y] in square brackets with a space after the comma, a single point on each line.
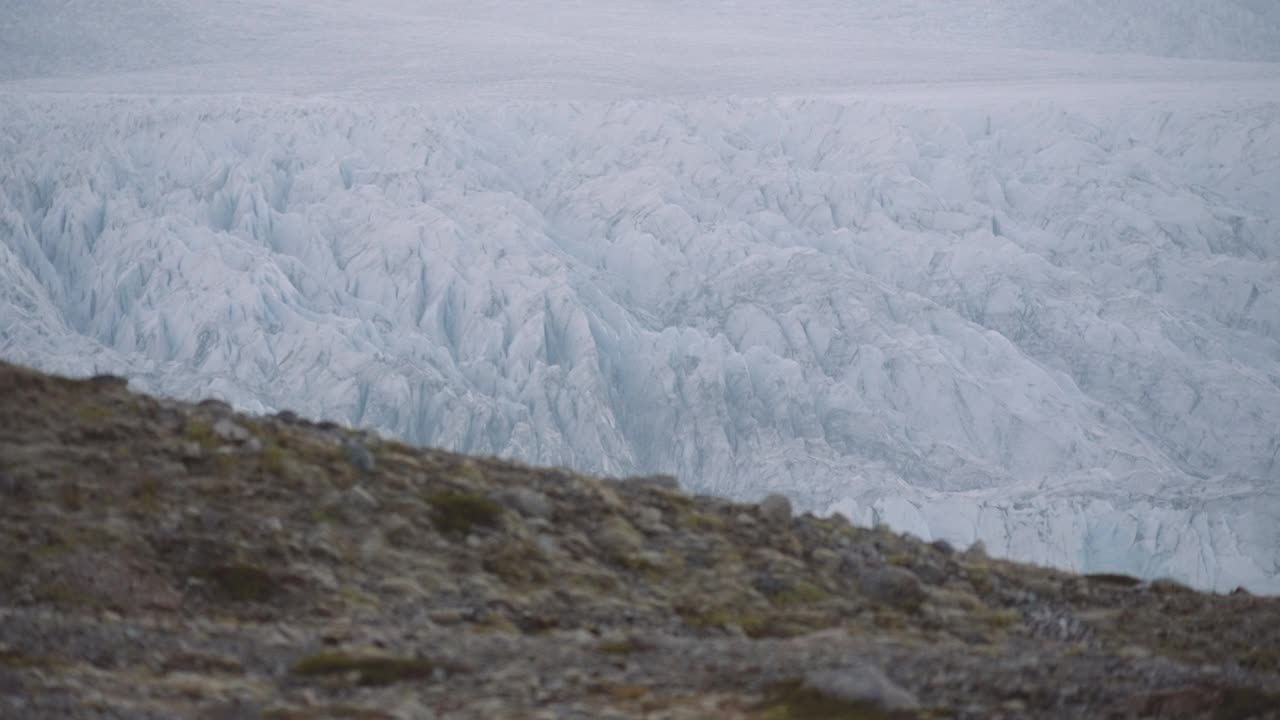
[864, 684]
[253, 445]
[12, 488]
[649, 519]
[894, 586]
[398, 531]
[359, 456]
[357, 495]
[977, 550]
[408, 708]
[943, 547]
[526, 502]
[776, 509]
[320, 576]
[288, 417]
[229, 431]
[548, 545]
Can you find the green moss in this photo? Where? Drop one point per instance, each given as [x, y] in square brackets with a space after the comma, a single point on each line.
[698, 520]
[982, 579]
[641, 563]
[275, 461]
[798, 595]
[517, 563]
[93, 413]
[492, 623]
[368, 670]
[15, 660]
[200, 432]
[1001, 619]
[355, 597]
[591, 583]
[460, 513]
[396, 447]
[900, 559]
[792, 700]
[241, 583]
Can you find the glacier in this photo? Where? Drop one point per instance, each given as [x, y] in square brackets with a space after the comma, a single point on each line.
[1028, 294]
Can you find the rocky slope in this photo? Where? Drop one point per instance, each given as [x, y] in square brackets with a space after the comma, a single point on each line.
[168, 560]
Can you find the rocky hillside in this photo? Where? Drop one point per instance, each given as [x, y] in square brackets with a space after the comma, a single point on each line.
[165, 560]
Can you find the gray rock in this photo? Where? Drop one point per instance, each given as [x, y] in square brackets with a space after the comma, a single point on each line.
[977, 550]
[229, 431]
[11, 487]
[548, 546]
[826, 559]
[649, 519]
[617, 536]
[894, 586]
[110, 381]
[930, 572]
[863, 684]
[359, 456]
[217, 406]
[776, 509]
[526, 502]
[659, 482]
[361, 497]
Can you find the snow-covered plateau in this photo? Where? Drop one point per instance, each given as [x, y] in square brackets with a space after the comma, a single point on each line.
[946, 267]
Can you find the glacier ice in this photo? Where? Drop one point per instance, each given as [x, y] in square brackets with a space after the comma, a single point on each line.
[928, 265]
[1054, 332]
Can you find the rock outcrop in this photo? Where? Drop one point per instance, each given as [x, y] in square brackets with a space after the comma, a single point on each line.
[168, 560]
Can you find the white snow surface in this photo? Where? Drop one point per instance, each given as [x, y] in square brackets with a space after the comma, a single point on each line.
[978, 270]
